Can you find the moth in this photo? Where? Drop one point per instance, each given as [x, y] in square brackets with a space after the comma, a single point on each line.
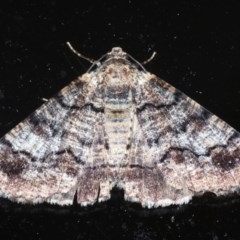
[119, 125]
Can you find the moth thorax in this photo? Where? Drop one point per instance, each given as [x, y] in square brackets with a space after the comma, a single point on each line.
[118, 97]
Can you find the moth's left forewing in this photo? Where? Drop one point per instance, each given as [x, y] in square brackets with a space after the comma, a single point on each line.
[41, 157]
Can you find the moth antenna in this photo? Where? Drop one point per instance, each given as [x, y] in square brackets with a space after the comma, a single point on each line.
[79, 54]
[44, 99]
[150, 59]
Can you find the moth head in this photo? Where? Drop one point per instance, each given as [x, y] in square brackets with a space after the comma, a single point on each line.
[117, 53]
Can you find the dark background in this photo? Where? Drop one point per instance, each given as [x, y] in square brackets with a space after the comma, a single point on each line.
[198, 52]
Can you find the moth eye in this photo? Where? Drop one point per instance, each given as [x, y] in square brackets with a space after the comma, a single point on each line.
[110, 71]
[125, 71]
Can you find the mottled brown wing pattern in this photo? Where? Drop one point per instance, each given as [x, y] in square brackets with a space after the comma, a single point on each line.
[185, 150]
[40, 159]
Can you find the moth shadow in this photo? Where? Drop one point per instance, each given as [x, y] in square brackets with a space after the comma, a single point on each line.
[117, 203]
